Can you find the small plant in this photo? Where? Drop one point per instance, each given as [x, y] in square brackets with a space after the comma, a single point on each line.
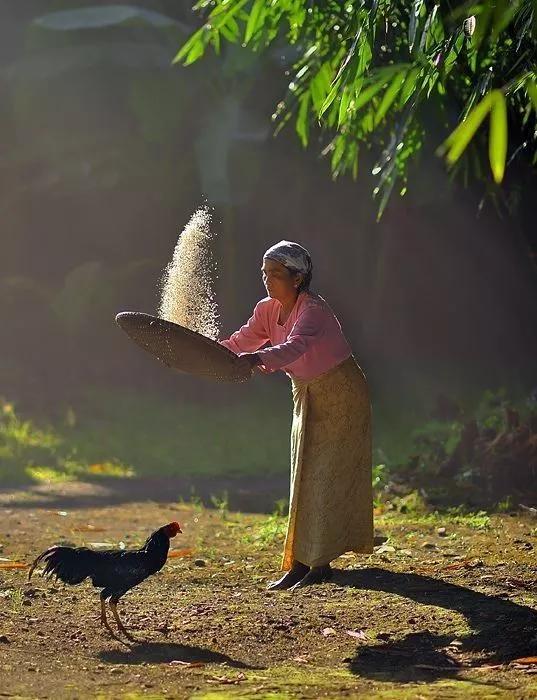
[270, 530]
[221, 504]
[506, 505]
[479, 520]
[17, 598]
[195, 500]
[281, 506]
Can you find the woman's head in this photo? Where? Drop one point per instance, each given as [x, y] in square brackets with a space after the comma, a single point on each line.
[287, 270]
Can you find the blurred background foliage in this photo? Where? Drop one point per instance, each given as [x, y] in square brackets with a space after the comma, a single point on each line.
[108, 148]
[378, 75]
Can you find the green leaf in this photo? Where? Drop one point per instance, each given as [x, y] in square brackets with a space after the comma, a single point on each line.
[389, 97]
[221, 14]
[415, 11]
[463, 134]
[482, 25]
[320, 86]
[409, 86]
[343, 105]
[531, 89]
[366, 95]
[504, 14]
[255, 19]
[187, 47]
[329, 99]
[302, 121]
[195, 52]
[338, 152]
[498, 135]
[230, 31]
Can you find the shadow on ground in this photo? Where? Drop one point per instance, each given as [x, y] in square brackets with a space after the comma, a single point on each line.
[246, 494]
[502, 630]
[162, 653]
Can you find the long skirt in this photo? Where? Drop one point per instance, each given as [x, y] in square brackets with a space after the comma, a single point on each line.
[331, 500]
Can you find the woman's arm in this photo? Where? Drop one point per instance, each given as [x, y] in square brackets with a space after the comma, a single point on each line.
[308, 327]
[249, 337]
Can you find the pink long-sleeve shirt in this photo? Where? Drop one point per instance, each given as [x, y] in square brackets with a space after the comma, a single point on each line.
[308, 344]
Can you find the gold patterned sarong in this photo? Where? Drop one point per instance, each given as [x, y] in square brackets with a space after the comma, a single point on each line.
[331, 501]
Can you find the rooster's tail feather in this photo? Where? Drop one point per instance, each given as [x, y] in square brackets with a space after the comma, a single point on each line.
[68, 564]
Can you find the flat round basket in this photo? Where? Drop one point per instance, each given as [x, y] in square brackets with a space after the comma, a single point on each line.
[181, 348]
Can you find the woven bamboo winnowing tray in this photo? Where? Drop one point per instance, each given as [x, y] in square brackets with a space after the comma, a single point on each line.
[180, 348]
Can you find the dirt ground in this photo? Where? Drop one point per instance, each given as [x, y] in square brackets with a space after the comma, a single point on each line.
[446, 607]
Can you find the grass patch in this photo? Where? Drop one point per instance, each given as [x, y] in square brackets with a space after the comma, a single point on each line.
[41, 453]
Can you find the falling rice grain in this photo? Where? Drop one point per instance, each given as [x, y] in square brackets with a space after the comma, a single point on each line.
[187, 285]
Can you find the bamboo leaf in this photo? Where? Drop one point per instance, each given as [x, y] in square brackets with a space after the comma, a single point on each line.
[302, 121]
[195, 52]
[498, 135]
[255, 19]
[409, 85]
[222, 14]
[504, 14]
[343, 106]
[230, 31]
[482, 25]
[388, 98]
[366, 95]
[463, 134]
[329, 99]
[187, 47]
[338, 152]
[429, 24]
[531, 89]
[413, 22]
[320, 86]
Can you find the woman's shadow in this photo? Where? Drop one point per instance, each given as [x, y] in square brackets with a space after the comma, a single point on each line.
[501, 630]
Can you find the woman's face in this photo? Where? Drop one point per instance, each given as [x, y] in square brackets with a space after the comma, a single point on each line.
[280, 283]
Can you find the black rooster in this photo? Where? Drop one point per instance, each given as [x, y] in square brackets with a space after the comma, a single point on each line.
[115, 571]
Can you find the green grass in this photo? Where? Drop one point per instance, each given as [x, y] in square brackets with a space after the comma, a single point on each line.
[160, 436]
[32, 453]
[479, 520]
[129, 434]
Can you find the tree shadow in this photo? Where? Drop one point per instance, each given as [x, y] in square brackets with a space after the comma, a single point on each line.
[501, 630]
[250, 494]
[163, 653]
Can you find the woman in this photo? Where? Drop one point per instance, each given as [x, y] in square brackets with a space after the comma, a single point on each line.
[330, 508]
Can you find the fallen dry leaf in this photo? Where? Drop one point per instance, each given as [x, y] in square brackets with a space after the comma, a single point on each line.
[384, 548]
[516, 583]
[174, 553]
[465, 564]
[227, 681]
[328, 631]
[358, 634]
[88, 528]
[188, 664]
[525, 660]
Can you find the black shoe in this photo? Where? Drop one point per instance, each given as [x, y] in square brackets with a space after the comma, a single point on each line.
[290, 578]
[318, 574]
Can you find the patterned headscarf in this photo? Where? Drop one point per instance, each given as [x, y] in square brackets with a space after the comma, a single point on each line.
[292, 255]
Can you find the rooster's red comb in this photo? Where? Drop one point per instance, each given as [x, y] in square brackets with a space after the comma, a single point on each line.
[172, 529]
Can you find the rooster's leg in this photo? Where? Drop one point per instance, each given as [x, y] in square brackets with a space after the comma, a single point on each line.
[121, 627]
[104, 619]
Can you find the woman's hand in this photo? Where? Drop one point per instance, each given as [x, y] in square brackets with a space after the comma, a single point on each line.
[246, 362]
